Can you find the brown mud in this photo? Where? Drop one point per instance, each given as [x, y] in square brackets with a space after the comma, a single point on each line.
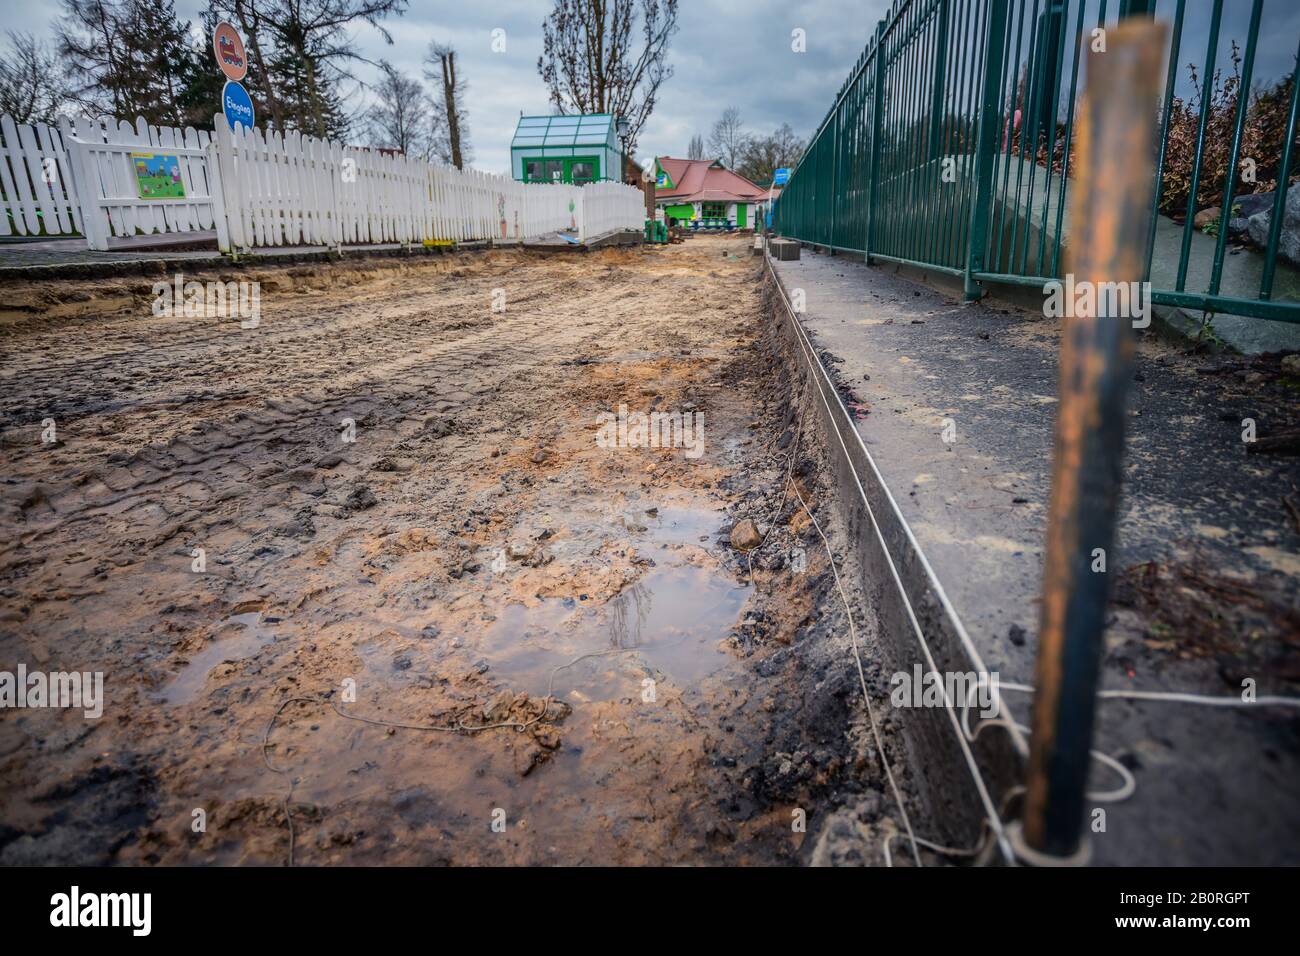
[438, 571]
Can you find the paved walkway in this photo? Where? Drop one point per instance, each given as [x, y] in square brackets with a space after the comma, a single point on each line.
[1194, 502]
[48, 252]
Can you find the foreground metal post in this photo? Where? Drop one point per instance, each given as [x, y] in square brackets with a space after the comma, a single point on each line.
[1109, 210]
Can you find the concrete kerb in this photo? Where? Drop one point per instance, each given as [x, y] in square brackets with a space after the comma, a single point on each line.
[955, 801]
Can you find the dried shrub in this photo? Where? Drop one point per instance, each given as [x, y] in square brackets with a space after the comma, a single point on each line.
[1262, 139]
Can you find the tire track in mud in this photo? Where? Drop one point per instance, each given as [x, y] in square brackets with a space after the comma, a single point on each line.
[409, 371]
[347, 556]
[168, 349]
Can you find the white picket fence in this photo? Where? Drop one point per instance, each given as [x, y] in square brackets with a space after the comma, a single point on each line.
[262, 190]
[609, 206]
[294, 189]
[78, 177]
[35, 181]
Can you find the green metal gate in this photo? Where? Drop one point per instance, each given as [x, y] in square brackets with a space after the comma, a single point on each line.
[949, 147]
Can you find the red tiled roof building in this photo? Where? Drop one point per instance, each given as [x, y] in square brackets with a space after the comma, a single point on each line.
[704, 192]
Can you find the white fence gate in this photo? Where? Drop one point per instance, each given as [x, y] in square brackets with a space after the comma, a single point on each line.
[36, 193]
[260, 189]
[103, 170]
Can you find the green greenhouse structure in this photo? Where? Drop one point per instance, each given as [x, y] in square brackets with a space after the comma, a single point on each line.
[566, 149]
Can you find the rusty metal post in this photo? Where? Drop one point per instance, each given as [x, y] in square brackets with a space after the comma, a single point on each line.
[1109, 213]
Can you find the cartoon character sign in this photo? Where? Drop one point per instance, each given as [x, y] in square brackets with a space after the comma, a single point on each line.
[228, 47]
[501, 212]
[158, 176]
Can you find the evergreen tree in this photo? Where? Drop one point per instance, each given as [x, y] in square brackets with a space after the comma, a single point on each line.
[127, 58]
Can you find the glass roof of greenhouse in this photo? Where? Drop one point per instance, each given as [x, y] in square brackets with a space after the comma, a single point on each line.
[536, 131]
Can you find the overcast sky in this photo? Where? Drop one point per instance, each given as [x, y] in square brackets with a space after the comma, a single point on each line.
[725, 53]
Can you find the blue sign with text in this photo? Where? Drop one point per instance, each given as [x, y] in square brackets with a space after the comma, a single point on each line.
[237, 105]
[780, 177]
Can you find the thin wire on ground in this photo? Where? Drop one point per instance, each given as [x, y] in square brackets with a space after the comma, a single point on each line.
[992, 820]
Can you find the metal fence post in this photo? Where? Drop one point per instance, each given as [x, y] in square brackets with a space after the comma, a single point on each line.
[940, 76]
[986, 145]
[1137, 8]
[835, 169]
[877, 107]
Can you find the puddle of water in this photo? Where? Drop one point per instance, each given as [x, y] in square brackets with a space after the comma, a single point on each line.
[250, 637]
[671, 622]
[676, 616]
[675, 524]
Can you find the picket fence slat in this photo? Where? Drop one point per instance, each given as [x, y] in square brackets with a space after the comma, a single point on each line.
[260, 189]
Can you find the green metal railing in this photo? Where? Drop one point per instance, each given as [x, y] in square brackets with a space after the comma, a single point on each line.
[949, 147]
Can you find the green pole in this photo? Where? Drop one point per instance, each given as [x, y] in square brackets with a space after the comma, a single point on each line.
[986, 145]
[877, 107]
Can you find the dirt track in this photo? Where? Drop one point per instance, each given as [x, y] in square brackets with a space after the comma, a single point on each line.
[473, 538]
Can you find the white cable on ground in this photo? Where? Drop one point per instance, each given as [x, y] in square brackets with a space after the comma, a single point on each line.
[862, 679]
[1128, 785]
[866, 697]
[976, 776]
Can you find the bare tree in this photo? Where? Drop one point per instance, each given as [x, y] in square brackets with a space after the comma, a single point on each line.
[315, 51]
[449, 118]
[728, 140]
[763, 155]
[696, 148]
[591, 62]
[31, 85]
[399, 119]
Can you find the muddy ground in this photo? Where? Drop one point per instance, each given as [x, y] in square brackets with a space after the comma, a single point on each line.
[435, 572]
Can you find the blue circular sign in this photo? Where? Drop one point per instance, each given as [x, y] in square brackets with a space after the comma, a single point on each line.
[237, 104]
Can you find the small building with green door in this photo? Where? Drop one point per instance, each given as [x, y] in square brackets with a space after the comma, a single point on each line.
[704, 194]
[566, 149]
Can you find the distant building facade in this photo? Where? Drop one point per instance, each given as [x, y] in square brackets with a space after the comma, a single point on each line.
[702, 193]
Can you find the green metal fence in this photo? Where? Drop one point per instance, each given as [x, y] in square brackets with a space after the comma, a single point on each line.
[949, 147]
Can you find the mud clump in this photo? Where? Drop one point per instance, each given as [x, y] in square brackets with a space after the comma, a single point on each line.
[745, 536]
